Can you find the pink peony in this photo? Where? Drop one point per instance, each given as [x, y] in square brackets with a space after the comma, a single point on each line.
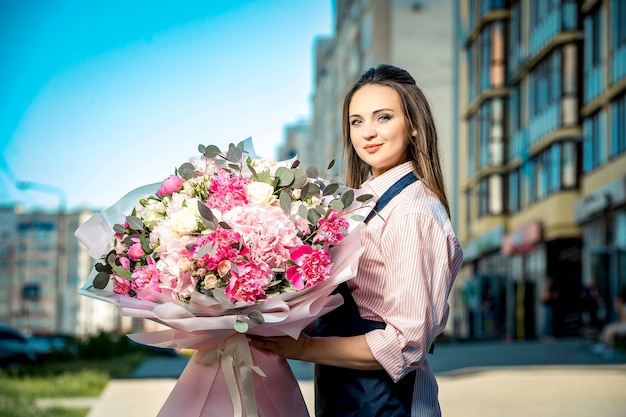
[171, 185]
[331, 229]
[248, 282]
[146, 277]
[312, 265]
[135, 252]
[267, 231]
[222, 250]
[120, 285]
[227, 191]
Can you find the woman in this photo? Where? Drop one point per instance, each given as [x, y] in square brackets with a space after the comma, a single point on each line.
[371, 353]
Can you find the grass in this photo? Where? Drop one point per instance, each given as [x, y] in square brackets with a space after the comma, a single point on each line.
[85, 375]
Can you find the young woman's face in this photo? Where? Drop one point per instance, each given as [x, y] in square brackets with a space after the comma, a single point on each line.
[378, 129]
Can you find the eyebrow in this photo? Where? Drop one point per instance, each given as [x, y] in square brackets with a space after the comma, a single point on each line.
[374, 112]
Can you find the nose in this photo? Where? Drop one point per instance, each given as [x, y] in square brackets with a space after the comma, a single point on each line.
[368, 131]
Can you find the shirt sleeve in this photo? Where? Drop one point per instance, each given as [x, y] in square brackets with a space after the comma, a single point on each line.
[422, 260]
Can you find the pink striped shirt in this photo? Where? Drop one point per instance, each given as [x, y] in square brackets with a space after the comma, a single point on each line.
[410, 261]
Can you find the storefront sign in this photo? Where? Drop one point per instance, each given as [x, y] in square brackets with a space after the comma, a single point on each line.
[603, 199]
[523, 240]
[487, 242]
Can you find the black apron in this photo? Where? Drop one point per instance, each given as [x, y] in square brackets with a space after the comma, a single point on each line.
[343, 392]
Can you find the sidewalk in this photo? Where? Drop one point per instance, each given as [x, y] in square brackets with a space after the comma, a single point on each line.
[488, 379]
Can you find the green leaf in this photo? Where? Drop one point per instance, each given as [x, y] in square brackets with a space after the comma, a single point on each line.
[285, 201]
[364, 198]
[300, 178]
[285, 176]
[264, 176]
[313, 216]
[201, 148]
[302, 211]
[336, 204]
[103, 268]
[134, 222]
[321, 210]
[310, 190]
[209, 247]
[122, 272]
[208, 218]
[256, 317]
[212, 151]
[330, 188]
[295, 164]
[241, 326]
[101, 280]
[187, 170]
[347, 197]
[234, 153]
[145, 243]
[312, 172]
[331, 164]
[357, 217]
[118, 228]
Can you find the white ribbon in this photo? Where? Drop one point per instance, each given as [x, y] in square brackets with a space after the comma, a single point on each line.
[236, 362]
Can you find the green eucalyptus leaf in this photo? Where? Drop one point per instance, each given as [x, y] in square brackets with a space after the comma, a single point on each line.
[187, 170]
[256, 316]
[336, 204]
[364, 198]
[122, 272]
[302, 211]
[224, 225]
[331, 188]
[101, 280]
[347, 197]
[134, 222]
[285, 201]
[285, 176]
[321, 210]
[313, 216]
[252, 170]
[234, 153]
[212, 151]
[312, 172]
[208, 248]
[312, 190]
[145, 243]
[241, 326]
[201, 148]
[300, 178]
[357, 217]
[118, 228]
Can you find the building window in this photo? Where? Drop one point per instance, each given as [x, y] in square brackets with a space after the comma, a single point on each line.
[617, 44]
[569, 175]
[593, 68]
[490, 195]
[514, 191]
[618, 126]
[594, 136]
[569, 101]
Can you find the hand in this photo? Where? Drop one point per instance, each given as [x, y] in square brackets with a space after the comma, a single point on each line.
[284, 346]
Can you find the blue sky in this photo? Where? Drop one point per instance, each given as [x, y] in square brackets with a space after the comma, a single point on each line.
[99, 97]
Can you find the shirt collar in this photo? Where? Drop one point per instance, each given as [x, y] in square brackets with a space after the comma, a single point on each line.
[382, 183]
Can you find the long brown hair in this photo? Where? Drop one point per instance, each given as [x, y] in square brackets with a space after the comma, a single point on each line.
[423, 146]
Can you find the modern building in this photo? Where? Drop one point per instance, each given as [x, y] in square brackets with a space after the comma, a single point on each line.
[42, 265]
[414, 35]
[542, 160]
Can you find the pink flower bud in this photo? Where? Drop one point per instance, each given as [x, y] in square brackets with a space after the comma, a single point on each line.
[170, 186]
[135, 251]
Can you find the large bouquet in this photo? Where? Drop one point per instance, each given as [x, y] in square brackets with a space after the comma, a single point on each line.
[229, 245]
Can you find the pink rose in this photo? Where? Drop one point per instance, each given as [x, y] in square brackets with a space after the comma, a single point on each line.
[135, 252]
[171, 185]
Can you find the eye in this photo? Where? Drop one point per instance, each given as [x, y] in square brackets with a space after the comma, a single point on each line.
[355, 122]
[384, 117]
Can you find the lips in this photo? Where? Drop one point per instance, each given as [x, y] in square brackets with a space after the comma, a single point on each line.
[373, 147]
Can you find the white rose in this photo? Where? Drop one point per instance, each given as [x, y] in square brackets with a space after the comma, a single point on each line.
[185, 220]
[261, 193]
[152, 213]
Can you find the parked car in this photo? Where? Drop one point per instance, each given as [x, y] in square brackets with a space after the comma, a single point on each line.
[55, 345]
[15, 349]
